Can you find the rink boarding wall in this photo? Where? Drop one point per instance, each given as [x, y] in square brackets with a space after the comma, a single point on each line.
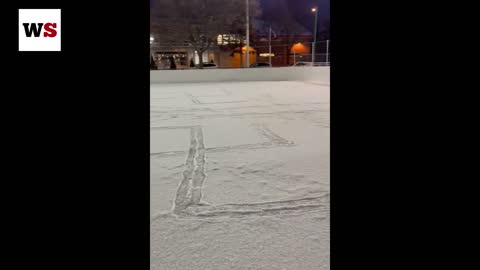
[321, 74]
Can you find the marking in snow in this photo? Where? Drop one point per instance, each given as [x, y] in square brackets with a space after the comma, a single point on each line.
[273, 140]
[188, 198]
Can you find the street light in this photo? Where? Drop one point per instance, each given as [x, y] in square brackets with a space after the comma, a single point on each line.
[314, 9]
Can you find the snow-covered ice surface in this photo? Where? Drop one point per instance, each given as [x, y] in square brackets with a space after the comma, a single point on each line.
[240, 176]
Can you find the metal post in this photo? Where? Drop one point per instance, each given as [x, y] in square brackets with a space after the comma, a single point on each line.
[327, 50]
[294, 57]
[315, 36]
[270, 46]
[247, 53]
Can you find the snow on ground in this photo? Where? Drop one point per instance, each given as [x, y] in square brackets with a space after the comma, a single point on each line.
[240, 176]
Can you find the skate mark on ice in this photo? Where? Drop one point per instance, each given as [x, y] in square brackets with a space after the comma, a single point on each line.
[189, 191]
[318, 204]
[193, 98]
[246, 147]
[321, 84]
[222, 149]
[273, 140]
[158, 115]
[174, 127]
[267, 114]
[181, 110]
[273, 137]
[199, 173]
[167, 154]
[163, 97]
[188, 198]
[181, 198]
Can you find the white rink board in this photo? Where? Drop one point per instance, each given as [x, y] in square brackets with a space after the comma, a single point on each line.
[320, 74]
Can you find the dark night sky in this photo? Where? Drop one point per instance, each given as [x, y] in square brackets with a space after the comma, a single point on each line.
[299, 10]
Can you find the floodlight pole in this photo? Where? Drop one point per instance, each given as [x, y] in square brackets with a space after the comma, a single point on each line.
[314, 34]
[328, 59]
[247, 51]
[270, 46]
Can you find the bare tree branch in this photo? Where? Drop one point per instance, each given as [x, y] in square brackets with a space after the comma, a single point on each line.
[198, 22]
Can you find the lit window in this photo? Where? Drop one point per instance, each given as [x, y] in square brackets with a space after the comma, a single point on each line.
[267, 54]
[226, 39]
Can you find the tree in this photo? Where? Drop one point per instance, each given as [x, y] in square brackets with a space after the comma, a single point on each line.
[197, 23]
[152, 63]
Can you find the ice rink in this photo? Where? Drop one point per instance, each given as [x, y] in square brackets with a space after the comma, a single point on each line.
[240, 176]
